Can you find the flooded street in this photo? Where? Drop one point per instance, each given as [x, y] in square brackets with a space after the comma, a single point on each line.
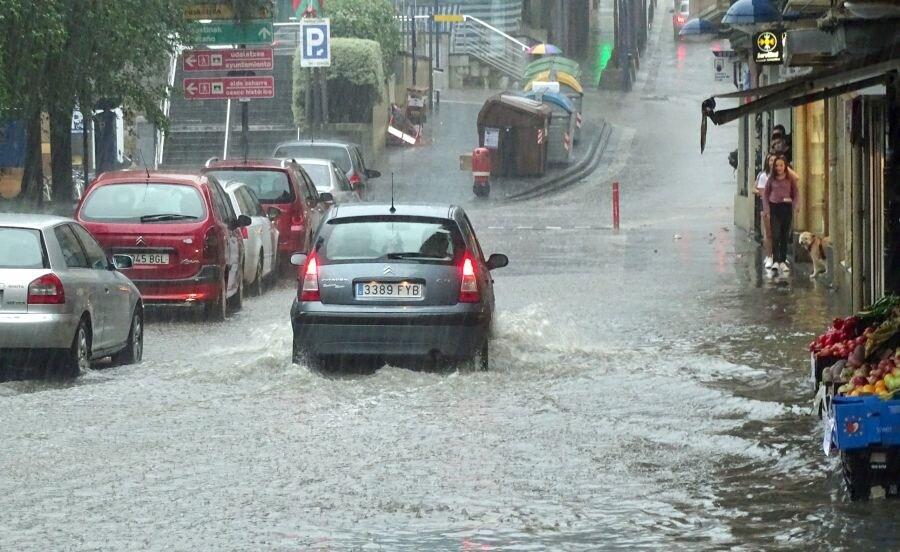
[648, 389]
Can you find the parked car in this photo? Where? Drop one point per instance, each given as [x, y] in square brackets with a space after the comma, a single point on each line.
[260, 237]
[347, 156]
[63, 302]
[680, 17]
[328, 178]
[408, 281]
[180, 230]
[282, 184]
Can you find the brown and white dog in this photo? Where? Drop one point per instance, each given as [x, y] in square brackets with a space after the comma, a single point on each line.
[816, 246]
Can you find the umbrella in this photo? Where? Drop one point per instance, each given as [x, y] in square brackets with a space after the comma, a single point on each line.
[543, 49]
[553, 62]
[751, 12]
[698, 27]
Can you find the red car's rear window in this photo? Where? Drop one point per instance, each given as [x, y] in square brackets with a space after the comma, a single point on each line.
[144, 202]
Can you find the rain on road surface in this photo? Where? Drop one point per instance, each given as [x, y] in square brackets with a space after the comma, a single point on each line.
[647, 389]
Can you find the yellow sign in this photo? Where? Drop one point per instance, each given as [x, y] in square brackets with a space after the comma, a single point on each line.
[441, 18]
[197, 12]
[767, 41]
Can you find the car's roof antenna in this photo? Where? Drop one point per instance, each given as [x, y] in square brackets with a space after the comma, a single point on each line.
[392, 209]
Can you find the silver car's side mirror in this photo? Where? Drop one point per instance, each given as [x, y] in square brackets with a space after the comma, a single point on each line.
[122, 262]
[297, 259]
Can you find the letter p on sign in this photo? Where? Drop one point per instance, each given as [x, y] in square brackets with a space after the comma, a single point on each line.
[316, 50]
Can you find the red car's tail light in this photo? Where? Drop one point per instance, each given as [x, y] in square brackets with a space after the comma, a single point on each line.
[309, 288]
[211, 246]
[244, 233]
[355, 179]
[46, 290]
[468, 288]
[680, 19]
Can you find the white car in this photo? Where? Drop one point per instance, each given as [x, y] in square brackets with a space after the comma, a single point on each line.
[329, 178]
[260, 238]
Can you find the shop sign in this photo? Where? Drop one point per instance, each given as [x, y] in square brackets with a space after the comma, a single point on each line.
[723, 62]
[769, 47]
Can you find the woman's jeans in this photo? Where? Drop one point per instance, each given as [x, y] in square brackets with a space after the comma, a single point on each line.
[781, 215]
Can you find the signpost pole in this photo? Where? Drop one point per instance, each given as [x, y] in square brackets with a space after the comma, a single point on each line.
[245, 128]
[227, 128]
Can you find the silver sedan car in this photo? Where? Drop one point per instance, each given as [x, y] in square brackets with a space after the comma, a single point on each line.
[329, 178]
[62, 302]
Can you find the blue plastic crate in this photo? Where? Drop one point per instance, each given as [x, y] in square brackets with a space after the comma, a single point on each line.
[861, 422]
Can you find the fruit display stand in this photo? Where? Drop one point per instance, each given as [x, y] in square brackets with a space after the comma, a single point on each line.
[855, 368]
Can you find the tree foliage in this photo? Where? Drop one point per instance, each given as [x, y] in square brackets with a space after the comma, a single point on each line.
[355, 81]
[370, 19]
[56, 55]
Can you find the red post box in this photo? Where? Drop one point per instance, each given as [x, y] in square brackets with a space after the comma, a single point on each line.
[481, 171]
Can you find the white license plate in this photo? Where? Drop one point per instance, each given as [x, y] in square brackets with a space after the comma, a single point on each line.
[389, 290]
[150, 258]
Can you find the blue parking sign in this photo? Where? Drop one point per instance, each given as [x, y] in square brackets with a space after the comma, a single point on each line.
[315, 49]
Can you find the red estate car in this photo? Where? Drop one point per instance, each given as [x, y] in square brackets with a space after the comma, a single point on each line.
[285, 185]
[180, 230]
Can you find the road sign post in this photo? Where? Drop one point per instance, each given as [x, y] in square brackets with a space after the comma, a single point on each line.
[242, 59]
[315, 50]
[256, 31]
[225, 88]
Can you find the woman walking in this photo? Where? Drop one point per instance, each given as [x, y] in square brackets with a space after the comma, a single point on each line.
[779, 201]
[764, 222]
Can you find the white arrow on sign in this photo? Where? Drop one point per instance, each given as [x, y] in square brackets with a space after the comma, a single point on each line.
[191, 89]
[190, 60]
[265, 34]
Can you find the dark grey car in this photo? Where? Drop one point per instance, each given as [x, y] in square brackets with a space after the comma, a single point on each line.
[347, 156]
[408, 282]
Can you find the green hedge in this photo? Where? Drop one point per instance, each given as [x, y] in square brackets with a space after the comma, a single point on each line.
[355, 81]
[370, 19]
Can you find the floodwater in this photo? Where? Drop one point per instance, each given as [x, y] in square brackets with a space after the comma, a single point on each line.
[648, 390]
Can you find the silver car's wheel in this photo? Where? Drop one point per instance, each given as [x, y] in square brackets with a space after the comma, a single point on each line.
[258, 284]
[134, 349]
[77, 359]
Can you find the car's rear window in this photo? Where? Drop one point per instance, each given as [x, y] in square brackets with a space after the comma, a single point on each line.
[269, 186]
[397, 239]
[320, 175]
[21, 248]
[147, 202]
[338, 154]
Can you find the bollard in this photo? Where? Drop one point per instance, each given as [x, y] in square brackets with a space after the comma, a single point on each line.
[615, 204]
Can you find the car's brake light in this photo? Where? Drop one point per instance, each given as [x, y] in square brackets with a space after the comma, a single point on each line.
[679, 19]
[46, 290]
[309, 288]
[297, 219]
[355, 179]
[468, 288]
[244, 233]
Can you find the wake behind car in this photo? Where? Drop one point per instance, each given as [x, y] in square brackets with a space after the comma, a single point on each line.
[409, 281]
[284, 185]
[62, 301]
[180, 230]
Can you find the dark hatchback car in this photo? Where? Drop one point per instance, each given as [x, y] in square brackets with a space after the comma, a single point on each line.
[409, 283]
[347, 156]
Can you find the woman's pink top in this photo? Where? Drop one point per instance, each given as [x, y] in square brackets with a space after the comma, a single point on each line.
[778, 190]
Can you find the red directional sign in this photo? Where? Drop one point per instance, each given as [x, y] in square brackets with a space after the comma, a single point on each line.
[229, 88]
[242, 59]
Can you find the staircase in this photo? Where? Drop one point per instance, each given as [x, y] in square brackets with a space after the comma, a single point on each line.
[197, 127]
[490, 46]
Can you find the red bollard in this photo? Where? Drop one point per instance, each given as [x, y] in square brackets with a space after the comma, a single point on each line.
[615, 201]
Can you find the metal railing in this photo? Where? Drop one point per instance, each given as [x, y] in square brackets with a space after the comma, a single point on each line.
[490, 45]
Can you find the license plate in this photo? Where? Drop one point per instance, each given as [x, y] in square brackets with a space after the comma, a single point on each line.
[390, 290]
[150, 258]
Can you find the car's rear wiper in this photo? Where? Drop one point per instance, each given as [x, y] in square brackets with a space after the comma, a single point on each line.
[404, 255]
[159, 217]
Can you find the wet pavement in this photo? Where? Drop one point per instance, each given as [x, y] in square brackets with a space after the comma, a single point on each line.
[648, 388]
